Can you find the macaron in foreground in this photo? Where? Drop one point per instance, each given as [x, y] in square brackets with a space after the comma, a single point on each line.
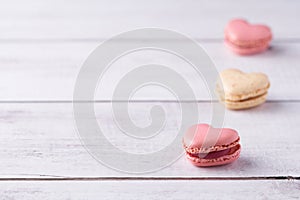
[239, 90]
[206, 146]
[244, 38]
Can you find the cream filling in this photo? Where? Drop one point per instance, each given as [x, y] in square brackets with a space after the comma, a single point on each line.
[215, 156]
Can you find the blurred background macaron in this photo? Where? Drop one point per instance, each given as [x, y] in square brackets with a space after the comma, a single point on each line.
[244, 38]
[239, 90]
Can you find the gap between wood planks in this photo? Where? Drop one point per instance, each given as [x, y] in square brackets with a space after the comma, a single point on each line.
[134, 101]
[70, 40]
[290, 178]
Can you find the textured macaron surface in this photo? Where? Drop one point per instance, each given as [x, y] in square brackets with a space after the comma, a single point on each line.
[239, 30]
[215, 158]
[204, 138]
[238, 85]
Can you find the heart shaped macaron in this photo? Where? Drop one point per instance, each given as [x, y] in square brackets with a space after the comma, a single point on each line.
[239, 90]
[244, 38]
[207, 146]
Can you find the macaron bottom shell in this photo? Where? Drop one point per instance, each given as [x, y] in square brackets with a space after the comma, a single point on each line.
[247, 51]
[216, 158]
[245, 104]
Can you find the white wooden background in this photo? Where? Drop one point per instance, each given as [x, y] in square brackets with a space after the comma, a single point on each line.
[42, 46]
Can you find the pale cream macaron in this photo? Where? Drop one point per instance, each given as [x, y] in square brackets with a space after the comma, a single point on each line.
[242, 90]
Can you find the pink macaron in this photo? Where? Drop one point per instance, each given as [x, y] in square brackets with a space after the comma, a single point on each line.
[207, 146]
[244, 38]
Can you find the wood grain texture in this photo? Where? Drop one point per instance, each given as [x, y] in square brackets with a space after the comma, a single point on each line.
[48, 71]
[40, 140]
[79, 19]
[150, 190]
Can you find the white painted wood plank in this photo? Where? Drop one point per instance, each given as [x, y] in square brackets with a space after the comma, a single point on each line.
[48, 71]
[41, 140]
[150, 190]
[54, 19]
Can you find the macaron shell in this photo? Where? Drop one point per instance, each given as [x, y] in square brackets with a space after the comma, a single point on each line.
[241, 31]
[239, 86]
[216, 162]
[203, 136]
[247, 51]
[253, 102]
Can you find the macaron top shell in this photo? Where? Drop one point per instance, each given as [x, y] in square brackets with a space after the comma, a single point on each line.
[203, 138]
[239, 30]
[238, 85]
